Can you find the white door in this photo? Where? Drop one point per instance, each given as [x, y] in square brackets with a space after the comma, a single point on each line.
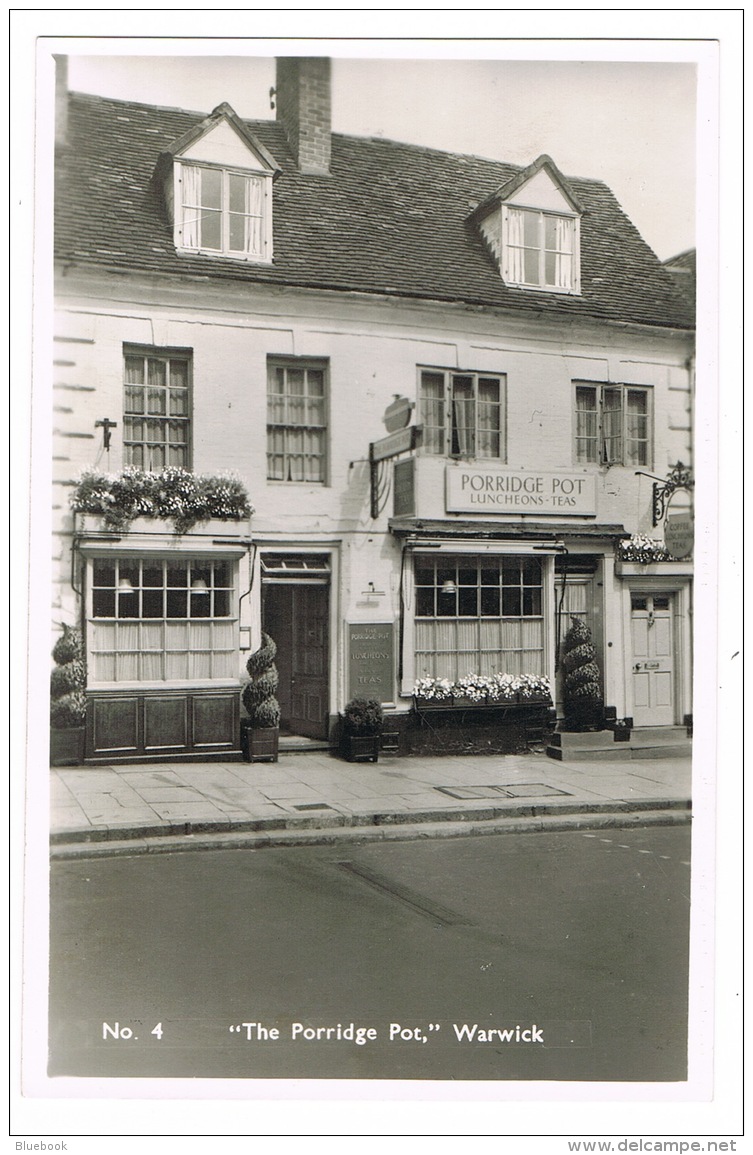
[653, 662]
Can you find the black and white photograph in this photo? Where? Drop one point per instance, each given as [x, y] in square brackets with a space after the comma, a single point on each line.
[372, 582]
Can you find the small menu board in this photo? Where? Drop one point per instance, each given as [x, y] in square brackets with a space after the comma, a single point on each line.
[371, 660]
[404, 488]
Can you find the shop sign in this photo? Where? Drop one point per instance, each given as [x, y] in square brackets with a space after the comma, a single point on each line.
[679, 532]
[490, 489]
[404, 488]
[679, 525]
[401, 441]
[371, 660]
[397, 414]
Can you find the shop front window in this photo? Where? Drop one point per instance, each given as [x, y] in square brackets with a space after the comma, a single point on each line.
[478, 615]
[161, 620]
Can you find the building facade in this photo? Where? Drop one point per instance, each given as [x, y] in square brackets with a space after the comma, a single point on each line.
[452, 388]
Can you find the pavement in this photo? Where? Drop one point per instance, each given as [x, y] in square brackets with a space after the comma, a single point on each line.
[315, 797]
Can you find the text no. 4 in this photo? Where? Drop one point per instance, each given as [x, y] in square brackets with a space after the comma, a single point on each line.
[126, 1034]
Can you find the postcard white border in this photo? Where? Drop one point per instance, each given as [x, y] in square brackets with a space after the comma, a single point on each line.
[210, 1107]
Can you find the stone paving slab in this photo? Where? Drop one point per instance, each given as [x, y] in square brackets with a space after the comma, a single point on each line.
[199, 810]
[152, 794]
[182, 800]
[70, 818]
[147, 777]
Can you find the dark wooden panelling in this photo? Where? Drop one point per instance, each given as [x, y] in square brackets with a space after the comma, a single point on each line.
[153, 722]
[215, 719]
[165, 722]
[113, 724]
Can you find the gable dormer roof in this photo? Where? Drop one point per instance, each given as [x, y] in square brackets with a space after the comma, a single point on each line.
[189, 142]
[506, 192]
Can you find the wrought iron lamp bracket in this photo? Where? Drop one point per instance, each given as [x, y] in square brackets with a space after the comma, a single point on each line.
[680, 477]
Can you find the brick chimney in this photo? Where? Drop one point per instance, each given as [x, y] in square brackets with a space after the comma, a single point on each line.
[61, 101]
[304, 109]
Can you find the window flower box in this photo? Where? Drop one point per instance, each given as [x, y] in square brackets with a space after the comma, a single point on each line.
[640, 555]
[480, 691]
[94, 524]
[174, 494]
[650, 569]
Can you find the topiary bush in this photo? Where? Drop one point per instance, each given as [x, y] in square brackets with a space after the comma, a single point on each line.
[68, 647]
[68, 681]
[581, 674]
[259, 694]
[68, 712]
[581, 678]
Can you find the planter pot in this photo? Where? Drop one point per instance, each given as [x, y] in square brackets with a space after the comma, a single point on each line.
[622, 734]
[67, 746]
[259, 745]
[583, 716]
[360, 747]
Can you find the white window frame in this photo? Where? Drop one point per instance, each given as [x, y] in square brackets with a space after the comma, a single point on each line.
[289, 428]
[603, 434]
[130, 444]
[450, 431]
[509, 274]
[185, 244]
[114, 553]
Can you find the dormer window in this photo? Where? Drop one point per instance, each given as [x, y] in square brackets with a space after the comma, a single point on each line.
[538, 249]
[532, 228]
[217, 180]
[222, 211]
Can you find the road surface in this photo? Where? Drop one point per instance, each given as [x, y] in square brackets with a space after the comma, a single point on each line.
[535, 956]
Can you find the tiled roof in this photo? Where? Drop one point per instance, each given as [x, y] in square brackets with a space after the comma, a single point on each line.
[390, 219]
[682, 268]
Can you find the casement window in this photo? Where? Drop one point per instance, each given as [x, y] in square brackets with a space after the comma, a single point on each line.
[297, 421]
[540, 249]
[161, 620]
[612, 424]
[462, 414]
[222, 211]
[479, 615]
[156, 408]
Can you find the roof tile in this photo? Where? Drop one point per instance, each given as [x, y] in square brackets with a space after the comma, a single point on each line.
[391, 219]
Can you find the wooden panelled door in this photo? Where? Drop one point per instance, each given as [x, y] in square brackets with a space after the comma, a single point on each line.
[653, 660]
[297, 617]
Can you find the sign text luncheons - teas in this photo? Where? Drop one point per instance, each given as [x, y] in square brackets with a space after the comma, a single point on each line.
[474, 489]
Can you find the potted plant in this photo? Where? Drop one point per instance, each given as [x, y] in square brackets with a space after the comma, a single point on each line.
[68, 700]
[361, 730]
[622, 728]
[260, 731]
[584, 706]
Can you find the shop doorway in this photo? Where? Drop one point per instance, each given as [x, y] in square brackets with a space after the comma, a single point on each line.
[295, 612]
[653, 659]
[576, 596]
